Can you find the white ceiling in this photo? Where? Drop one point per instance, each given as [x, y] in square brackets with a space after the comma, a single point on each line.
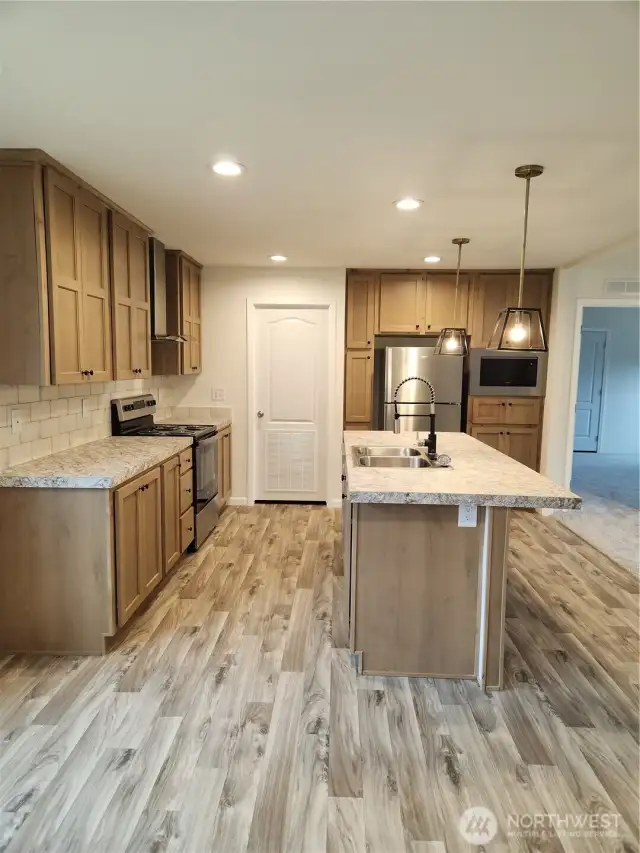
[337, 109]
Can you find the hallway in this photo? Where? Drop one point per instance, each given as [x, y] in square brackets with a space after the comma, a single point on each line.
[231, 719]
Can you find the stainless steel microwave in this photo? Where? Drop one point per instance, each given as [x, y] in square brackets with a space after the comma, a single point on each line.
[507, 374]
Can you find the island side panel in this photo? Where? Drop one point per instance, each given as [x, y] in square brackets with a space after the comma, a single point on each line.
[416, 591]
[497, 597]
[56, 570]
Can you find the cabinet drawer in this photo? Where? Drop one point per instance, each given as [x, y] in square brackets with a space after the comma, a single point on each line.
[186, 460]
[186, 491]
[186, 529]
[523, 411]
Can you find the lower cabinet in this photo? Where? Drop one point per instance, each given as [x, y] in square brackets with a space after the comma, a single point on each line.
[224, 465]
[171, 509]
[138, 531]
[152, 530]
[520, 443]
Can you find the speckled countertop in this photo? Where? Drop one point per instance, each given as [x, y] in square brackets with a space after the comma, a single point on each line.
[199, 420]
[102, 464]
[479, 475]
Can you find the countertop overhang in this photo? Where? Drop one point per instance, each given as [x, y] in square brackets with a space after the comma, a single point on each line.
[103, 464]
[478, 475]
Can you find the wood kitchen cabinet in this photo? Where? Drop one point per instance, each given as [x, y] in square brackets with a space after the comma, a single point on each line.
[56, 322]
[131, 301]
[508, 424]
[138, 536]
[402, 304]
[224, 466]
[171, 512]
[491, 292]
[358, 386]
[360, 311]
[79, 274]
[441, 301]
[184, 312]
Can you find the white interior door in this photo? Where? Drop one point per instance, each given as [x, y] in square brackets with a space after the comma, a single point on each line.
[290, 395]
[590, 386]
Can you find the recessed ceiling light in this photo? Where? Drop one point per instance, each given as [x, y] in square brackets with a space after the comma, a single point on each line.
[408, 203]
[228, 168]
[432, 259]
[278, 258]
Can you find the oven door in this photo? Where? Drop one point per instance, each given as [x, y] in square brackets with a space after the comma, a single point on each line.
[206, 470]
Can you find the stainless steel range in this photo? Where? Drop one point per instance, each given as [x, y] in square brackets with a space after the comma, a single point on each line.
[134, 416]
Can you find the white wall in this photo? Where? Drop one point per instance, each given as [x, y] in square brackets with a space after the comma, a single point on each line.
[574, 286]
[224, 355]
[620, 424]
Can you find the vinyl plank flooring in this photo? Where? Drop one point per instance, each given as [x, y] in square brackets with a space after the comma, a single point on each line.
[231, 718]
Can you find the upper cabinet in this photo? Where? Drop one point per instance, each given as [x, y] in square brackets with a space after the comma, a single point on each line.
[491, 292]
[442, 310]
[184, 312]
[65, 302]
[360, 311]
[79, 279]
[402, 304]
[131, 299]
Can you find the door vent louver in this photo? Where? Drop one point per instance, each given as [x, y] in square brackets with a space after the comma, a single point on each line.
[622, 286]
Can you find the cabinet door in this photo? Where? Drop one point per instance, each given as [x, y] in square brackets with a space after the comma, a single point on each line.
[170, 513]
[488, 410]
[149, 531]
[523, 410]
[186, 490]
[185, 306]
[358, 386]
[226, 465]
[196, 320]
[403, 303]
[62, 209]
[522, 445]
[491, 293]
[127, 525]
[95, 329]
[441, 301]
[491, 435]
[360, 311]
[130, 297]
[537, 294]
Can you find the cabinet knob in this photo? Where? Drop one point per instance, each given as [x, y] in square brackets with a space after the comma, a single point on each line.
[417, 325]
[508, 433]
[190, 529]
[511, 404]
[368, 358]
[188, 491]
[368, 343]
[429, 326]
[91, 373]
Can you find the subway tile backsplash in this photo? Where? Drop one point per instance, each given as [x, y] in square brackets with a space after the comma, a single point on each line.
[57, 417]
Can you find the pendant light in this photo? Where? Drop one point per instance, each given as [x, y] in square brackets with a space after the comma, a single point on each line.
[521, 328]
[453, 340]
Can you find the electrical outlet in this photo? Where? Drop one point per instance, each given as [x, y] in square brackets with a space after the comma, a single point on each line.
[467, 515]
[217, 395]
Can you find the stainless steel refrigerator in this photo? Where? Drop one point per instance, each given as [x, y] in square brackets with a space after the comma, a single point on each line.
[445, 374]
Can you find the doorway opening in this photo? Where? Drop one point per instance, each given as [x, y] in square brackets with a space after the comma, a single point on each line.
[606, 439]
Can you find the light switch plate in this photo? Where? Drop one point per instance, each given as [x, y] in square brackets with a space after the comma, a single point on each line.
[467, 515]
[217, 395]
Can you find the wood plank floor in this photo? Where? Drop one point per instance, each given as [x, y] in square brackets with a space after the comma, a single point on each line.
[230, 718]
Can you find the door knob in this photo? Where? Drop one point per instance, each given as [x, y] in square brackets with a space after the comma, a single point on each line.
[260, 414]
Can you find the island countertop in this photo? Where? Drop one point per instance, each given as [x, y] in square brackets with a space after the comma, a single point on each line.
[102, 464]
[478, 475]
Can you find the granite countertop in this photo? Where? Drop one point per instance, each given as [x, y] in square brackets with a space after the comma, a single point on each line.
[478, 475]
[199, 420]
[102, 464]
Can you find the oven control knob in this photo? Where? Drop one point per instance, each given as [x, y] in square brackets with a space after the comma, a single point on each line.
[260, 414]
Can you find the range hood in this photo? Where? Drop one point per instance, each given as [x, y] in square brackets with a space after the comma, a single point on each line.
[157, 273]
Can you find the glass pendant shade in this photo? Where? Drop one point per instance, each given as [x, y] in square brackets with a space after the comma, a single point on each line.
[519, 329]
[452, 342]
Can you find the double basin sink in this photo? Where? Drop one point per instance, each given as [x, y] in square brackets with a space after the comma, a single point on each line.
[391, 457]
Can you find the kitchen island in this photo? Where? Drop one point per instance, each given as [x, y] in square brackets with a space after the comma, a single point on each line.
[424, 595]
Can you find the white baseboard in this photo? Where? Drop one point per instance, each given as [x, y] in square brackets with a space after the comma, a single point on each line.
[237, 502]
[335, 503]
